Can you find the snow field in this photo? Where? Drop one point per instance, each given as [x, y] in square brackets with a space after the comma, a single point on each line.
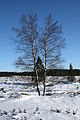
[20, 101]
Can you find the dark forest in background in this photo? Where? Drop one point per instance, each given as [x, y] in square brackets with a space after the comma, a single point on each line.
[50, 72]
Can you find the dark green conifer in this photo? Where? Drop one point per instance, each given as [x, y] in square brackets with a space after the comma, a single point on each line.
[40, 68]
[71, 76]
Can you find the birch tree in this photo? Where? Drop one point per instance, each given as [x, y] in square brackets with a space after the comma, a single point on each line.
[53, 42]
[27, 37]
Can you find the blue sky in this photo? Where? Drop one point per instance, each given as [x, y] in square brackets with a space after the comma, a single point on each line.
[67, 12]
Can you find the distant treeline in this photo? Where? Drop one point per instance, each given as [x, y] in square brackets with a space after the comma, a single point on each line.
[63, 72]
[10, 74]
[51, 72]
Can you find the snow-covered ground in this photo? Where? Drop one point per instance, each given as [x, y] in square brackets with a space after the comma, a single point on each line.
[19, 100]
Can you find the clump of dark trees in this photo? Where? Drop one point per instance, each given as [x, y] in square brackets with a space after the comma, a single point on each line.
[39, 43]
[49, 72]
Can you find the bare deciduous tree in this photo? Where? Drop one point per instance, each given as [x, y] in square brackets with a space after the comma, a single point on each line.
[53, 42]
[27, 39]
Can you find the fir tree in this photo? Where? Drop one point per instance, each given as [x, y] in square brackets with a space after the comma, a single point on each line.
[39, 65]
[71, 67]
[40, 69]
[71, 77]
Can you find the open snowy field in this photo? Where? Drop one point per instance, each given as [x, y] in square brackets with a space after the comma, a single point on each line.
[19, 100]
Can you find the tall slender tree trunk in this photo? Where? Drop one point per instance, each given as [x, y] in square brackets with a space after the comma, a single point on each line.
[44, 82]
[45, 68]
[37, 78]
